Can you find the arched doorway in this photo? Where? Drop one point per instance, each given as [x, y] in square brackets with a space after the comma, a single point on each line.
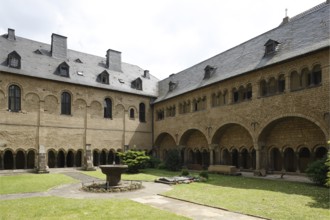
[293, 131]
[31, 159]
[20, 159]
[232, 135]
[275, 159]
[8, 160]
[70, 159]
[111, 157]
[320, 152]
[245, 162]
[304, 159]
[78, 158]
[60, 159]
[289, 161]
[103, 157]
[96, 160]
[51, 159]
[164, 142]
[234, 156]
[196, 143]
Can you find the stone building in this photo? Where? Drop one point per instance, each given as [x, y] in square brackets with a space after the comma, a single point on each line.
[263, 104]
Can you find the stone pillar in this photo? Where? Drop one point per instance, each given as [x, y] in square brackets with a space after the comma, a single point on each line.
[287, 83]
[258, 159]
[240, 160]
[297, 162]
[14, 161]
[88, 158]
[211, 157]
[283, 161]
[42, 163]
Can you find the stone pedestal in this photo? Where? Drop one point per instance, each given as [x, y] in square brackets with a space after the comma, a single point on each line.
[88, 158]
[42, 162]
[113, 173]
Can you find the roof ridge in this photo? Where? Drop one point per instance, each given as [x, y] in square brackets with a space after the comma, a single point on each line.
[308, 11]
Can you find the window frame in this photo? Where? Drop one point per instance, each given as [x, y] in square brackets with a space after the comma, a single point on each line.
[107, 113]
[66, 100]
[14, 98]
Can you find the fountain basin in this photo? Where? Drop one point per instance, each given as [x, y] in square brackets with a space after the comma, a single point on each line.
[113, 173]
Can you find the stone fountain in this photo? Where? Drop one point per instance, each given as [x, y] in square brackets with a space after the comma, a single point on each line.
[113, 173]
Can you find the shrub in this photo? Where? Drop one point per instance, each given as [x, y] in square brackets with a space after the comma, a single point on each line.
[204, 174]
[327, 163]
[161, 166]
[317, 171]
[153, 162]
[134, 159]
[184, 172]
[173, 160]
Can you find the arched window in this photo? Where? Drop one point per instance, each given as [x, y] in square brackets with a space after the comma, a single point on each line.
[305, 78]
[249, 92]
[66, 103]
[14, 98]
[142, 112]
[235, 95]
[107, 108]
[295, 81]
[316, 75]
[263, 88]
[272, 86]
[131, 113]
[281, 83]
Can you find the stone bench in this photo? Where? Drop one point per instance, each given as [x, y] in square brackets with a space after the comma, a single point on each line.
[224, 169]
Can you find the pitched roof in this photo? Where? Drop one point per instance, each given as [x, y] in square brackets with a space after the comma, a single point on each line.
[36, 61]
[304, 33]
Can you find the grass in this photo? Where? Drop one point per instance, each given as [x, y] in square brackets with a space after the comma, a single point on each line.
[25, 183]
[70, 209]
[261, 197]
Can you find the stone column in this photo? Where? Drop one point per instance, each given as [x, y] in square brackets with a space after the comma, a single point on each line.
[42, 163]
[88, 158]
[14, 161]
[287, 83]
[211, 157]
[297, 162]
[283, 161]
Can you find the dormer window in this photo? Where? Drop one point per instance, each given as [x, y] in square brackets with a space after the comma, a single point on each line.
[14, 60]
[63, 69]
[209, 71]
[171, 86]
[137, 84]
[271, 46]
[103, 77]
[78, 60]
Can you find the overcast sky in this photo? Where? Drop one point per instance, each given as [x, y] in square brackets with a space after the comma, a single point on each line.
[163, 36]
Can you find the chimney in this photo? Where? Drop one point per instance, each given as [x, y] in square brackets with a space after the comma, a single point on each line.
[11, 34]
[59, 46]
[114, 60]
[146, 74]
[286, 18]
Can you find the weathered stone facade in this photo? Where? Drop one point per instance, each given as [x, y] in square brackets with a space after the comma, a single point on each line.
[40, 122]
[282, 131]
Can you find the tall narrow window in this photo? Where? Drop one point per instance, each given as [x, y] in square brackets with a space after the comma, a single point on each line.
[107, 108]
[14, 98]
[66, 103]
[131, 113]
[317, 75]
[142, 112]
[281, 83]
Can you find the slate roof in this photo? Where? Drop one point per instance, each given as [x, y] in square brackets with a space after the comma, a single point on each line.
[304, 33]
[36, 61]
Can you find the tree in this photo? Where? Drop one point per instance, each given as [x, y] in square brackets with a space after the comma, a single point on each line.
[317, 171]
[134, 159]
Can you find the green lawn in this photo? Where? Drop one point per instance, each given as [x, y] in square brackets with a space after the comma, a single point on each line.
[32, 182]
[261, 197]
[62, 208]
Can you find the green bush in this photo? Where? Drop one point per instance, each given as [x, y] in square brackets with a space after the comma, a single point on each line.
[184, 172]
[153, 162]
[173, 160]
[204, 174]
[161, 166]
[317, 171]
[327, 163]
[134, 159]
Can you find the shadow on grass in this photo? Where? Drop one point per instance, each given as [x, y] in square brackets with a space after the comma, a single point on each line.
[320, 195]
